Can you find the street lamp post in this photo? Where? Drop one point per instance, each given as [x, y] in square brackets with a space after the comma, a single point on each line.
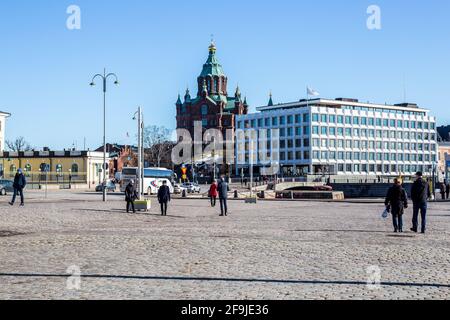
[140, 151]
[433, 183]
[104, 78]
[70, 178]
[251, 168]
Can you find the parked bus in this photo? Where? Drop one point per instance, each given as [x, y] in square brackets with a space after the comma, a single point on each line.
[153, 178]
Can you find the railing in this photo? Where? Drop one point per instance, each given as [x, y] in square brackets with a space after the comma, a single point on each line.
[356, 179]
[36, 180]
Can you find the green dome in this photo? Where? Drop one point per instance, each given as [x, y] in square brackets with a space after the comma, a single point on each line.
[212, 66]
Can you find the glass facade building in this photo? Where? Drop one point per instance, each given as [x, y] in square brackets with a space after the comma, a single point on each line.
[344, 137]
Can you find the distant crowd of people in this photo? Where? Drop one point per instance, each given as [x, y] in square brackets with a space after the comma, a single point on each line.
[396, 199]
[218, 189]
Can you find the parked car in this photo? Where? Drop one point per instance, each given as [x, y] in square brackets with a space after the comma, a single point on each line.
[6, 186]
[191, 187]
[110, 187]
[178, 189]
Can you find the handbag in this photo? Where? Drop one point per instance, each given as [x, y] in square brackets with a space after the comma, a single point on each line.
[385, 214]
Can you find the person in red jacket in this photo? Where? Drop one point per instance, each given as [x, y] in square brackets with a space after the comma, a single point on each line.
[213, 193]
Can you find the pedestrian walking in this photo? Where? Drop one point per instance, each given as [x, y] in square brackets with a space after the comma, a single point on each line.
[19, 184]
[447, 189]
[213, 193]
[443, 189]
[420, 193]
[164, 197]
[396, 201]
[223, 189]
[131, 196]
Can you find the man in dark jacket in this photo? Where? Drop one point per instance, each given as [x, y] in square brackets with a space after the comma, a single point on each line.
[397, 201]
[442, 187]
[19, 184]
[164, 197]
[420, 193]
[447, 189]
[223, 189]
[130, 196]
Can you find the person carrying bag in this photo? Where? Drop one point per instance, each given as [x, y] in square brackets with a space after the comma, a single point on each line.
[130, 196]
[396, 201]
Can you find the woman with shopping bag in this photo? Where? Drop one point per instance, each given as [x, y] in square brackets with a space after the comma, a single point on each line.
[396, 201]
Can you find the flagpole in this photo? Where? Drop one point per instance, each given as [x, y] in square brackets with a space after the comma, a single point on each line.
[307, 97]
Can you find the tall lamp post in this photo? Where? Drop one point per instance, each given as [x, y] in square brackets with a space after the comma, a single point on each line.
[140, 119]
[104, 77]
[433, 183]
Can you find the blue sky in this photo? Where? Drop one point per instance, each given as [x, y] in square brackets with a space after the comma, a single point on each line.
[157, 48]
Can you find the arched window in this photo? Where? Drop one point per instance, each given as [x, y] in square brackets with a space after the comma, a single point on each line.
[12, 170]
[204, 110]
[208, 84]
[216, 85]
[59, 169]
[43, 167]
[27, 170]
[74, 169]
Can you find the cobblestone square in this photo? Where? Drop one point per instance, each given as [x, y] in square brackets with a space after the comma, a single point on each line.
[271, 250]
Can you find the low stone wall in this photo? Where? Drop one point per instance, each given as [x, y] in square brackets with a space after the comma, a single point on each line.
[55, 186]
[312, 195]
[366, 190]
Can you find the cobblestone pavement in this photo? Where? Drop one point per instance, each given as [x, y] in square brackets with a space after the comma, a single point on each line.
[271, 250]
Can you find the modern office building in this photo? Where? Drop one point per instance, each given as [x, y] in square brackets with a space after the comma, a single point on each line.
[344, 137]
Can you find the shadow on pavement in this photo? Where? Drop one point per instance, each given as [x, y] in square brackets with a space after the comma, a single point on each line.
[337, 230]
[216, 279]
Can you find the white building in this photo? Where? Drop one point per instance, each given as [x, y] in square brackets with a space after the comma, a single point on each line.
[345, 137]
[3, 116]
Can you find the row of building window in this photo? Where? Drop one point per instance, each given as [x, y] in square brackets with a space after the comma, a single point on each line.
[371, 156]
[364, 121]
[299, 155]
[386, 111]
[371, 133]
[354, 132]
[274, 121]
[341, 144]
[340, 155]
[365, 144]
[336, 119]
[28, 169]
[379, 168]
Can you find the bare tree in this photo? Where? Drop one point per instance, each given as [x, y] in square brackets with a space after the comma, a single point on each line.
[157, 144]
[19, 144]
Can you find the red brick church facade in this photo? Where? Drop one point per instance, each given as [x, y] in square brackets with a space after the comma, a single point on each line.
[212, 106]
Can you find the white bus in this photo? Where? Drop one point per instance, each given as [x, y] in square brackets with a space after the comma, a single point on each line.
[153, 179]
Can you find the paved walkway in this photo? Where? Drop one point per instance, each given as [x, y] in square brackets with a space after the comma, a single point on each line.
[272, 250]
